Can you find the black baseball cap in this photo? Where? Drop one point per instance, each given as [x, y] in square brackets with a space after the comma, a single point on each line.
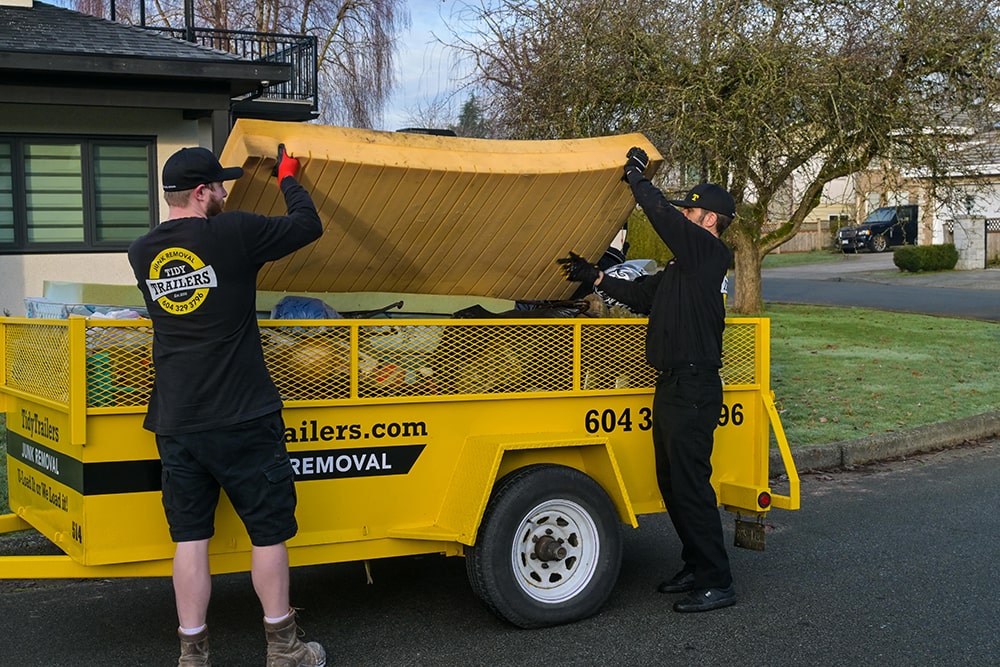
[190, 167]
[710, 197]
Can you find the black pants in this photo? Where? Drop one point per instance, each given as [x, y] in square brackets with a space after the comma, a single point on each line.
[686, 410]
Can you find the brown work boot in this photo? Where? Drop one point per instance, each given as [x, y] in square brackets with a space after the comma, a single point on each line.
[194, 650]
[285, 649]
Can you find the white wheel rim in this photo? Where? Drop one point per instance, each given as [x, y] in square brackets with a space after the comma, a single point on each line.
[555, 550]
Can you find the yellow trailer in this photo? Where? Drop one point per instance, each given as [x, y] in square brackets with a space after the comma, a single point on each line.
[521, 444]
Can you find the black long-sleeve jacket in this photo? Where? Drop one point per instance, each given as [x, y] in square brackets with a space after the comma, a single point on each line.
[684, 302]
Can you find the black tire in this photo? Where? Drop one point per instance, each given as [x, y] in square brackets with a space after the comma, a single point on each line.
[549, 547]
[879, 243]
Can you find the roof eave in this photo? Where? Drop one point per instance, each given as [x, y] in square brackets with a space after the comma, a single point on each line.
[245, 76]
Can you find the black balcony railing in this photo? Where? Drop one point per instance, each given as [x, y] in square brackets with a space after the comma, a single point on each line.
[298, 51]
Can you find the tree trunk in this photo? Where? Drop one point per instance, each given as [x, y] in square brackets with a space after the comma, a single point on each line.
[748, 299]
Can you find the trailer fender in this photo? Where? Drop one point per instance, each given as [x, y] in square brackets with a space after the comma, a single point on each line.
[486, 459]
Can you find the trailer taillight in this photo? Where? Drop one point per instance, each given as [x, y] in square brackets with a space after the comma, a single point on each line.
[764, 499]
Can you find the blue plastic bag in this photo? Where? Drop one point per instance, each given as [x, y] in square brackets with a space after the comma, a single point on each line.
[303, 308]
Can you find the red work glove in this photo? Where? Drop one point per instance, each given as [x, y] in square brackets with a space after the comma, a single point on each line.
[287, 165]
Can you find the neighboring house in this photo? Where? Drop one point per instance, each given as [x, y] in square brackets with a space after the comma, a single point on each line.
[977, 196]
[89, 111]
[971, 189]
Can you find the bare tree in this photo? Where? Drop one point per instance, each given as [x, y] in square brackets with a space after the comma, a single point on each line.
[750, 94]
[356, 54]
[430, 113]
[554, 69]
[356, 42]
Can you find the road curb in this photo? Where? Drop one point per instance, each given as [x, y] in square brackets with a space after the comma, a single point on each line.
[891, 445]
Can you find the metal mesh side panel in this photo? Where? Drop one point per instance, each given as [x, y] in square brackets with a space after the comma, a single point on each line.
[400, 361]
[739, 354]
[37, 359]
[614, 357]
[309, 363]
[419, 360]
[485, 359]
[119, 366]
[321, 363]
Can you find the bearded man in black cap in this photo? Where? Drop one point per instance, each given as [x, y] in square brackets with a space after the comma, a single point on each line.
[684, 343]
[214, 408]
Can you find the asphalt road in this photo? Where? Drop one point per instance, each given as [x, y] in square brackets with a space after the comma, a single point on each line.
[872, 281]
[895, 564]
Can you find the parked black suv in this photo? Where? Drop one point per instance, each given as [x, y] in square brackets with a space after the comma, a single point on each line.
[884, 227]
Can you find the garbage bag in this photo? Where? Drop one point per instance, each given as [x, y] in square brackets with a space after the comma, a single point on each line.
[526, 309]
[303, 308]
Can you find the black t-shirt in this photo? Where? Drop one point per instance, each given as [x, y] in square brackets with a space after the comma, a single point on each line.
[684, 301]
[199, 280]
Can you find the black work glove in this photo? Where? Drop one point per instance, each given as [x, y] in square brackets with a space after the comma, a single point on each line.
[579, 270]
[636, 162]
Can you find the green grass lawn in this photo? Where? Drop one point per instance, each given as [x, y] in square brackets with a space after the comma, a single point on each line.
[845, 373]
[778, 260]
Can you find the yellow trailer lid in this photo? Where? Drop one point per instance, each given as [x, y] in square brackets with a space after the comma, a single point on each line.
[428, 214]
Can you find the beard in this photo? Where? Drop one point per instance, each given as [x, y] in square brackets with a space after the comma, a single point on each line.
[214, 206]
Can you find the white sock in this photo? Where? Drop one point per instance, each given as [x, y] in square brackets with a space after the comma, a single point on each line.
[192, 631]
[272, 621]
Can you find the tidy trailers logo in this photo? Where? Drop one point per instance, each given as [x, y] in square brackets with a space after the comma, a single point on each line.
[179, 280]
[33, 424]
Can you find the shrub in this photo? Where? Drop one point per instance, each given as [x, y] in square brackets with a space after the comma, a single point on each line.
[944, 257]
[644, 243]
[906, 258]
[926, 258]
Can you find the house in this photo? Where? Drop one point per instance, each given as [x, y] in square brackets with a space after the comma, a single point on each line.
[971, 189]
[968, 193]
[89, 111]
[975, 195]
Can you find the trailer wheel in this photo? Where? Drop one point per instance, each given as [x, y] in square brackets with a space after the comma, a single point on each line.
[549, 547]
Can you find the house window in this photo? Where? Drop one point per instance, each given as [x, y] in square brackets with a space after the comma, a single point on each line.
[6, 196]
[74, 194]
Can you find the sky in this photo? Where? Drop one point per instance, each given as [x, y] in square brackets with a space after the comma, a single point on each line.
[424, 67]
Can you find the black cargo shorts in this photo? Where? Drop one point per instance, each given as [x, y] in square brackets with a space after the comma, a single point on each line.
[249, 461]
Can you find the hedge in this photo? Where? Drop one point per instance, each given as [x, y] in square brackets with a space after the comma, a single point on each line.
[925, 257]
